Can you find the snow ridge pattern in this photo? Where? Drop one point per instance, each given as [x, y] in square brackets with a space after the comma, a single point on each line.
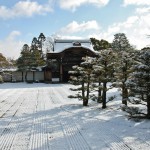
[41, 117]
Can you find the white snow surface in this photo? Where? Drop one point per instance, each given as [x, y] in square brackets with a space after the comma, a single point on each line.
[41, 117]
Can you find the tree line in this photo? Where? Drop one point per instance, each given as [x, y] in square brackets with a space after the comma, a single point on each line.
[32, 56]
[120, 65]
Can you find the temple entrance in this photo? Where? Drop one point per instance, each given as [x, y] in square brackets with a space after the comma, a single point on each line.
[66, 76]
[66, 59]
[47, 75]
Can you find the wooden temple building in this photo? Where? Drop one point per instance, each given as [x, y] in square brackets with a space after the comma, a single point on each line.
[66, 53]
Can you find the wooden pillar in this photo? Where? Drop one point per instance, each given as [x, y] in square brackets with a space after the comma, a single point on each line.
[33, 76]
[44, 75]
[47, 75]
[22, 76]
[61, 70]
[11, 76]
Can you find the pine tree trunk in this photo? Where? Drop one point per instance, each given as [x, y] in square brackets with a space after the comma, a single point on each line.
[148, 107]
[88, 88]
[83, 91]
[124, 94]
[124, 88]
[86, 99]
[26, 76]
[85, 102]
[33, 76]
[99, 93]
[104, 96]
[22, 76]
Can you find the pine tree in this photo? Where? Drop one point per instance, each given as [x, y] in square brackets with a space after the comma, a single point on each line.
[37, 58]
[81, 77]
[123, 69]
[139, 83]
[30, 58]
[104, 69]
[121, 43]
[97, 85]
[100, 44]
[24, 62]
[124, 63]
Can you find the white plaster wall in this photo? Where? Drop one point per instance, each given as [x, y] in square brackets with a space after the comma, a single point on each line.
[39, 76]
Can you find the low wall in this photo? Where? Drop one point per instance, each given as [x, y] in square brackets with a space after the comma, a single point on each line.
[18, 76]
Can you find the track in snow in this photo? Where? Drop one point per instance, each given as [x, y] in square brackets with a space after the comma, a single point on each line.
[37, 118]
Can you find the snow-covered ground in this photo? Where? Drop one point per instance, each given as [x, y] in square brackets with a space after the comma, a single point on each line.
[41, 117]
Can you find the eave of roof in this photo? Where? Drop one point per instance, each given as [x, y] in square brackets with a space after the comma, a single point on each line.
[72, 40]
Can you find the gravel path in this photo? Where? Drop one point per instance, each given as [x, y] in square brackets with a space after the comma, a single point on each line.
[41, 117]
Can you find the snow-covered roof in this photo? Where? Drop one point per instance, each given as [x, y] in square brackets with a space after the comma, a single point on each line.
[62, 44]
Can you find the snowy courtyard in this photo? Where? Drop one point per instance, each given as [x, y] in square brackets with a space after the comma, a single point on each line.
[41, 117]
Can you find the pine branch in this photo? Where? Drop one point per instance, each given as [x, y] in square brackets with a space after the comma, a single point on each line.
[136, 102]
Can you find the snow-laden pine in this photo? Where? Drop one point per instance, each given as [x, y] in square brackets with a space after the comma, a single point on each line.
[124, 62]
[139, 83]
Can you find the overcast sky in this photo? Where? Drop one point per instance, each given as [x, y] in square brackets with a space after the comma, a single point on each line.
[21, 20]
